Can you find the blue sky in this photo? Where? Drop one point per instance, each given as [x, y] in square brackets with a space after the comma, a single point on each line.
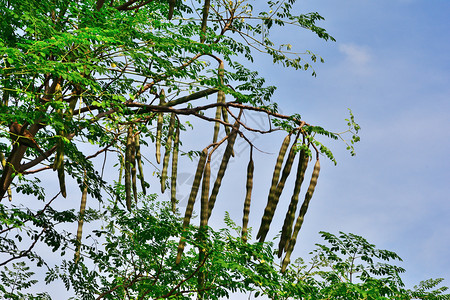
[391, 66]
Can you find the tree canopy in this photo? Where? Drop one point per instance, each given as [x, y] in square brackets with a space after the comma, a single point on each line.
[123, 75]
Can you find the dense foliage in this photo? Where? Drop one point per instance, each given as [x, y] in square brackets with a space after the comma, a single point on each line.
[121, 75]
[133, 257]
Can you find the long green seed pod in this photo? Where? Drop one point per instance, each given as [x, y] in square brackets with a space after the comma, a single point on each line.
[158, 137]
[191, 200]
[9, 192]
[3, 160]
[133, 167]
[276, 196]
[222, 168]
[290, 214]
[59, 157]
[62, 181]
[266, 219]
[205, 194]
[137, 148]
[225, 117]
[59, 166]
[159, 125]
[204, 21]
[248, 197]
[301, 216]
[220, 99]
[220, 95]
[173, 185]
[128, 168]
[119, 181]
[81, 220]
[287, 168]
[167, 152]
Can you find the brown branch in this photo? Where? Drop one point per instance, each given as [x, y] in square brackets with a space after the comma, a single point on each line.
[139, 5]
[37, 170]
[126, 5]
[193, 96]
[144, 108]
[180, 100]
[251, 144]
[251, 129]
[36, 161]
[51, 166]
[217, 145]
[247, 107]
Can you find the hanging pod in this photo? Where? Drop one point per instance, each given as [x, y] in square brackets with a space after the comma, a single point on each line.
[266, 219]
[275, 197]
[127, 166]
[205, 194]
[137, 148]
[133, 167]
[62, 181]
[225, 118]
[301, 216]
[119, 181]
[191, 200]
[222, 168]
[287, 169]
[173, 181]
[220, 95]
[158, 137]
[167, 152]
[3, 160]
[81, 219]
[290, 215]
[220, 99]
[58, 165]
[159, 125]
[248, 197]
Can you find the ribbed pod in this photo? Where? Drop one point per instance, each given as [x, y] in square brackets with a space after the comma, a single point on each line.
[266, 219]
[222, 169]
[139, 162]
[290, 215]
[173, 181]
[127, 166]
[248, 198]
[81, 219]
[133, 166]
[205, 194]
[191, 201]
[167, 152]
[58, 165]
[159, 125]
[303, 209]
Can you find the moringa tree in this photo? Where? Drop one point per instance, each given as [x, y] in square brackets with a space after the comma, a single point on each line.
[120, 74]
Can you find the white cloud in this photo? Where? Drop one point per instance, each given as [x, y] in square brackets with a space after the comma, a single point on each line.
[357, 57]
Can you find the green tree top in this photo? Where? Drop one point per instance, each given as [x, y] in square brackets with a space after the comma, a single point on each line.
[121, 74]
